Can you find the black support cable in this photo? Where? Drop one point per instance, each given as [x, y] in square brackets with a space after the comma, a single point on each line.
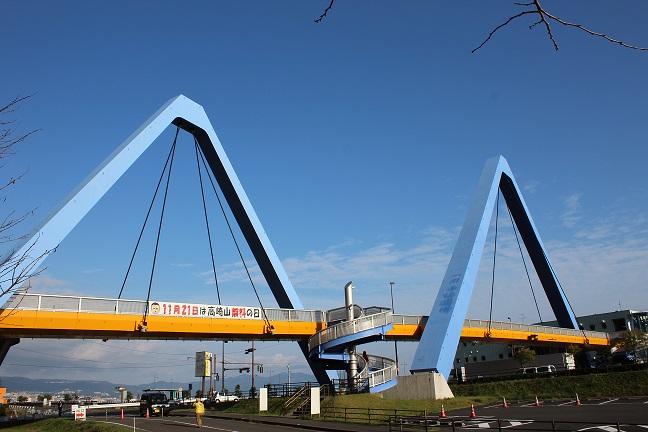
[202, 192]
[229, 226]
[157, 241]
[148, 214]
[525, 266]
[490, 316]
[564, 294]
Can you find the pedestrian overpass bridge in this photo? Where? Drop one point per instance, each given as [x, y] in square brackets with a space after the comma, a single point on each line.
[327, 338]
[30, 315]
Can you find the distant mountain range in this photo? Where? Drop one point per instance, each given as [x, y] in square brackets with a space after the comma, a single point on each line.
[90, 388]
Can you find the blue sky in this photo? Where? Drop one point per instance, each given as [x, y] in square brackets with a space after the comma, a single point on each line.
[359, 141]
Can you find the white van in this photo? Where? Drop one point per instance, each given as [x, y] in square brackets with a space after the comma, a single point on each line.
[537, 369]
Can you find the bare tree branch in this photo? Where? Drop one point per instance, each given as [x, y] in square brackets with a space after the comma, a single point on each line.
[16, 268]
[318, 20]
[500, 26]
[544, 18]
[593, 33]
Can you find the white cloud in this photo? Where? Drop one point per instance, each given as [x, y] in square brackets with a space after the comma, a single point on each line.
[572, 213]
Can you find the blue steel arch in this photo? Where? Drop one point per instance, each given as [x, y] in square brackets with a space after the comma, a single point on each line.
[438, 344]
[190, 116]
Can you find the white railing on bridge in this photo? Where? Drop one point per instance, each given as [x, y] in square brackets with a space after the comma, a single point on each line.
[533, 328]
[348, 328]
[61, 303]
[385, 370]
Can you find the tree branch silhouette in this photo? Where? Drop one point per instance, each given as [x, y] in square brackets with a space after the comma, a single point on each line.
[544, 18]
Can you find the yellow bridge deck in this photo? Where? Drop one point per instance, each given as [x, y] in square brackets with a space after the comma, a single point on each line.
[46, 316]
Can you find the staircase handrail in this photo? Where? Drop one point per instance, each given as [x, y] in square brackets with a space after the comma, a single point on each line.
[350, 327]
[387, 370]
[300, 392]
[340, 313]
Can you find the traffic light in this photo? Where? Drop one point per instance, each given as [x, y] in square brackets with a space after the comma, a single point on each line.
[217, 377]
[249, 350]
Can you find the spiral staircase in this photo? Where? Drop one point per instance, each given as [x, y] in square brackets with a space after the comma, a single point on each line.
[334, 348]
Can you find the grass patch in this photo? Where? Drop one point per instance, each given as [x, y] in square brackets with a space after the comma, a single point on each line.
[371, 401]
[371, 408]
[60, 425]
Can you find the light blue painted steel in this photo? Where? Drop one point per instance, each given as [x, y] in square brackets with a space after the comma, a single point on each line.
[359, 338]
[438, 344]
[58, 224]
[384, 386]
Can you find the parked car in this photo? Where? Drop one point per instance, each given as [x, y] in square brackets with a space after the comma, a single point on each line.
[156, 403]
[218, 398]
[622, 357]
[537, 369]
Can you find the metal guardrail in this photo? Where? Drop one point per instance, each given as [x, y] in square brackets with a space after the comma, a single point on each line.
[386, 370]
[61, 303]
[340, 314]
[52, 302]
[348, 328]
[499, 325]
[410, 319]
[379, 416]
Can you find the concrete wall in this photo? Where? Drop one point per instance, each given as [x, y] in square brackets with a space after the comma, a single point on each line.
[427, 385]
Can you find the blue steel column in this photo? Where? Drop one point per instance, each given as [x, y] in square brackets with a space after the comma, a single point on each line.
[438, 344]
[191, 116]
[182, 111]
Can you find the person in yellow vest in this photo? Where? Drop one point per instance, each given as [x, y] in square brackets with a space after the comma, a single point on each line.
[200, 410]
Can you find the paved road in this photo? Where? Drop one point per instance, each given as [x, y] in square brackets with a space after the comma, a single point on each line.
[236, 423]
[590, 415]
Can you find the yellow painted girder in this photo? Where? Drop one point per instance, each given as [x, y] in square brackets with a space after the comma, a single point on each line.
[518, 336]
[34, 324]
[30, 323]
[414, 331]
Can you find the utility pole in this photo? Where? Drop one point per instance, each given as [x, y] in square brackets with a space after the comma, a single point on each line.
[212, 384]
[391, 290]
[248, 351]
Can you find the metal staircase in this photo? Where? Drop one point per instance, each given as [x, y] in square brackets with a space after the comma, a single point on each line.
[334, 348]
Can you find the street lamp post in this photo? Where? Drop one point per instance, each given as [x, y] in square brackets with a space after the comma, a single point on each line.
[391, 291]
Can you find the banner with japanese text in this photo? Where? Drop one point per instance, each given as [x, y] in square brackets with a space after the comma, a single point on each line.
[203, 311]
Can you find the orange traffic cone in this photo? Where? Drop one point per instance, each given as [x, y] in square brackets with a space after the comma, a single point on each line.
[147, 413]
[443, 414]
[537, 402]
[472, 411]
[577, 400]
[122, 414]
[505, 405]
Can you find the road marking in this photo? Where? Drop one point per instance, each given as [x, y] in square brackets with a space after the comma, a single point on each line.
[602, 427]
[139, 429]
[204, 425]
[608, 401]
